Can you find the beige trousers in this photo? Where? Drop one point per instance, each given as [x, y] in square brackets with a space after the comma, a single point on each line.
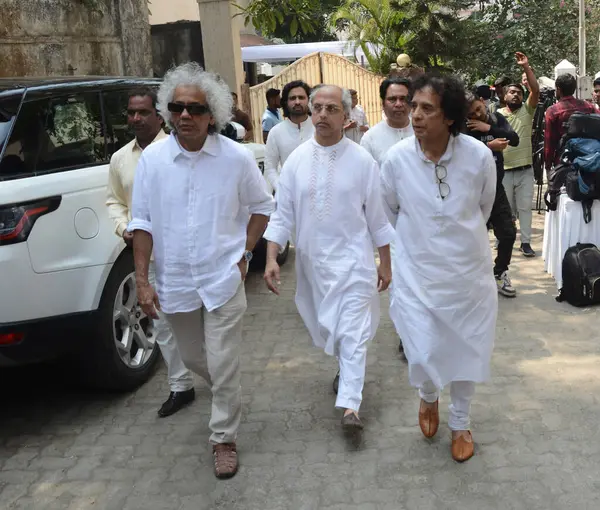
[209, 343]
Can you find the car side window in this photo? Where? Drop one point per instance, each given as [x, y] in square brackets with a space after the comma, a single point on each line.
[118, 132]
[57, 134]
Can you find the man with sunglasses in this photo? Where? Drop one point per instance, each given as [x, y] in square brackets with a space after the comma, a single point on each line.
[147, 125]
[201, 202]
[439, 189]
[329, 196]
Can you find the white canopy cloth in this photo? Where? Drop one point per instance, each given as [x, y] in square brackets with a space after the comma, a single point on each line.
[288, 52]
[564, 228]
[445, 300]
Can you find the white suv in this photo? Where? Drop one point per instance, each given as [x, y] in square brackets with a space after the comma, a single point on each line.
[67, 286]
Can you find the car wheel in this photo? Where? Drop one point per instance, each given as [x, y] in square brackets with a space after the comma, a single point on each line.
[123, 349]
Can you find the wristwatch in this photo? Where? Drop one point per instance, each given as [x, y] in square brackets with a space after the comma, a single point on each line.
[247, 256]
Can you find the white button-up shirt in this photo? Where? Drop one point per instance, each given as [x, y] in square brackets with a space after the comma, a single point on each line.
[283, 139]
[196, 206]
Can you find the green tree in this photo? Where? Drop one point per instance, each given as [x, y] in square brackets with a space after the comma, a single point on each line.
[545, 30]
[432, 33]
[375, 27]
[435, 30]
[292, 20]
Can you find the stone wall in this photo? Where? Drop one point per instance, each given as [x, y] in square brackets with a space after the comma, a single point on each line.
[74, 37]
[176, 43]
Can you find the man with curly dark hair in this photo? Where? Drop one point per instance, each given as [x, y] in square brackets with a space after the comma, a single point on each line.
[296, 129]
[439, 188]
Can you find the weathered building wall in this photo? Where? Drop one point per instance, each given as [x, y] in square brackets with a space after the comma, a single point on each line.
[176, 43]
[80, 37]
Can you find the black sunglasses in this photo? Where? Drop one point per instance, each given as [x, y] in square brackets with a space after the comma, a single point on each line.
[192, 109]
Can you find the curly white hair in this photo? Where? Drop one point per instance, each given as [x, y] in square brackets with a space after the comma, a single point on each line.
[218, 96]
[346, 97]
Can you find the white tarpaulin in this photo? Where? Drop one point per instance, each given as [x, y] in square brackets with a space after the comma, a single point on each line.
[289, 52]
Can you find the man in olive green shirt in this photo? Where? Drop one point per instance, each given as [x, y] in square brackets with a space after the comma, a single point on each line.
[518, 161]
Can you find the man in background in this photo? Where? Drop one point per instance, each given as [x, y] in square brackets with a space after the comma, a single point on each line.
[493, 130]
[286, 136]
[271, 116]
[148, 127]
[558, 115]
[499, 86]
[242, 118]
[358, 125]
[395, 96]
[596, 94]
[518, 161]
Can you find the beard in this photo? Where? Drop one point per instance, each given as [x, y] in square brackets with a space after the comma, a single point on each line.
[299, 112]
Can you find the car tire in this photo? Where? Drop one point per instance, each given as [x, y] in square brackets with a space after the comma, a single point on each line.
[259, 256]
[103, 365]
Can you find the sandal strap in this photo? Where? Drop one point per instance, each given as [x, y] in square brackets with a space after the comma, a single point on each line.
[225, 456]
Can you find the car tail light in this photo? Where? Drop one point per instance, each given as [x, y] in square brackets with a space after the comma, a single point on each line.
[10, 338]
[17, 220]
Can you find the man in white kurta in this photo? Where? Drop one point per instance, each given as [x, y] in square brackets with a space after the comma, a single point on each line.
[358, 124]
[440, 187]
[329, 195]
[286, 136]
[396, 126]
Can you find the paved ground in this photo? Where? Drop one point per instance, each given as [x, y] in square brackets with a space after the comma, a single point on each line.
[535, 425]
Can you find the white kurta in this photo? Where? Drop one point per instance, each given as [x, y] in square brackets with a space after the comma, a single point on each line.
[381, 138]
[283, 139]
[445, 300]
[358, 114]
[331, 198]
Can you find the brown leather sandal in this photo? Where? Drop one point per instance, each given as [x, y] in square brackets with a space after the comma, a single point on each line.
[225, 457]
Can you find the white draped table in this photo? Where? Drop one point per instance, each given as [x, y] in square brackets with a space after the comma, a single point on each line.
[564, 228]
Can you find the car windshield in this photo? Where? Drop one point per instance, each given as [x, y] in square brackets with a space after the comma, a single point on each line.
[8, 112]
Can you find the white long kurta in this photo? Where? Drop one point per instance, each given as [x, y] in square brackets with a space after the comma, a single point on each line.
[445, 300]
[331, 198]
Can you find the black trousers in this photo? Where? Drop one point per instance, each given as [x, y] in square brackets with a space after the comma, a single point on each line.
[505, 230]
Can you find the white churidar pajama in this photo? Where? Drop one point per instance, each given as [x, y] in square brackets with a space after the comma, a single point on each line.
[330, 197]
[445, 298]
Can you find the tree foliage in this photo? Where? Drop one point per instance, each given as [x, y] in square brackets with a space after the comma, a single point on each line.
[476, 38]
[545, 30]
[373, 26]
[291, 20]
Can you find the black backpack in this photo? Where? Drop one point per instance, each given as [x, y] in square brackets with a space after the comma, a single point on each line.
[583, 125]
[557, 178]
[581, 275]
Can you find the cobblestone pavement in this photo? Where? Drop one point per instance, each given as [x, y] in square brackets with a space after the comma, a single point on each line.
[535, 425]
